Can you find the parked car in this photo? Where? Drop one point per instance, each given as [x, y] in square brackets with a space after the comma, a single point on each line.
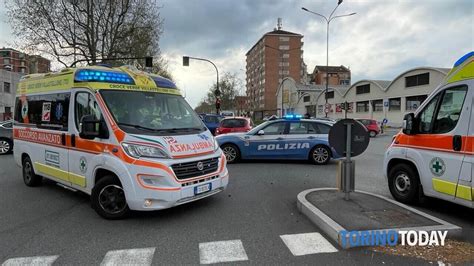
[371, 126]
[212, 121]
[227, 113]
[6, 137]
[233, 125]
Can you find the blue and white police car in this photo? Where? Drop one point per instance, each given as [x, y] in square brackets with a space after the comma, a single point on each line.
[291, 138]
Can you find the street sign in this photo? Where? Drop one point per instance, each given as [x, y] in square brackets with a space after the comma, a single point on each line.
[328, 105]
[326, 110]
[359, 137]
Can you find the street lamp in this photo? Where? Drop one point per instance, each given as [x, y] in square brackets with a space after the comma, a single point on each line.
[281, 69]
[328, 20]
[217, 92]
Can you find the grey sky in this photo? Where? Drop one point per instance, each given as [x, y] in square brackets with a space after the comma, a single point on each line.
[384, 39]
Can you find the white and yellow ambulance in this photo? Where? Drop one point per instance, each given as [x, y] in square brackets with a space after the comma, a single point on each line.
[126, 137]
[434, 153]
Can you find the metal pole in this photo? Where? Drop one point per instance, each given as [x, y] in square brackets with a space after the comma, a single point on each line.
[348, 165]
[327, 67]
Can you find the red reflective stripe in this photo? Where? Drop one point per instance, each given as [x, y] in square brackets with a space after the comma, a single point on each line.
[435, 142]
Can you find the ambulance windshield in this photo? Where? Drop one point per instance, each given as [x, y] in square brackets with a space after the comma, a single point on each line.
[152, 113]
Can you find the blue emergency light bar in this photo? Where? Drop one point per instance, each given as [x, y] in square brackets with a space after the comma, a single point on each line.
[90, 75]
[464, 58]
[164, 83]
[292, 117]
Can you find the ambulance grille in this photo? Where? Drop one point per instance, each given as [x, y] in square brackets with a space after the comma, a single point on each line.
[190, 169]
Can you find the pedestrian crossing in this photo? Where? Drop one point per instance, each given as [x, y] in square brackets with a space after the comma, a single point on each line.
[209, 252]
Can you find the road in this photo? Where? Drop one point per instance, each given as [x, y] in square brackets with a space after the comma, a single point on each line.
[244, 223]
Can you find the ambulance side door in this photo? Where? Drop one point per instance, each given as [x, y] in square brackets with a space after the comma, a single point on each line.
[83, 152]
[465, 188]
[441, 124]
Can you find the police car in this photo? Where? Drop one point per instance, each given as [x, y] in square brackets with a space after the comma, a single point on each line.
[291, 138]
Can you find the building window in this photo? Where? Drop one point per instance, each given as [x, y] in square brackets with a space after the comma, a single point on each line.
[344, 82]
[377, 105]
[6, 87]
[394, 104]
[306, 98]
[284, 39]
[286, 55]
[362, 89]
[330, 95]
[284, 47]
[6, 61]
[417, 80]
[414, 102]
[8, 110]
[362, 107]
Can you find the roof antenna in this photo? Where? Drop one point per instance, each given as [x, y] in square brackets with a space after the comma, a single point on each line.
[279, 26]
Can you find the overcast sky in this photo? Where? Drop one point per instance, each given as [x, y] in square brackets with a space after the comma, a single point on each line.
[384, 38]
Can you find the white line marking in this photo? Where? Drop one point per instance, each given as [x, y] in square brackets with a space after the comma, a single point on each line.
[309, 243]
[140, 256]
[36, 261]
[222, 251]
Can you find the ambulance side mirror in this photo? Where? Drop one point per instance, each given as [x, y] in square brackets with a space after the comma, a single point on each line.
[92, 128]
[409, 124]
[261, 132]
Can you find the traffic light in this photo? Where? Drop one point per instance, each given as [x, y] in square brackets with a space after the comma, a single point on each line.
[185, 60]
[218, 104]
[149, 61]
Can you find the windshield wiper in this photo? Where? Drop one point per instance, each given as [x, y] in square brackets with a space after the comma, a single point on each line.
[183, 129]
[137, 126]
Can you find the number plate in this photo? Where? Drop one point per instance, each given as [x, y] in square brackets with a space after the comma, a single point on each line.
[202, 189]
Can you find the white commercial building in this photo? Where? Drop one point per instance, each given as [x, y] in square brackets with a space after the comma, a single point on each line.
[8, 85]
[374, 99]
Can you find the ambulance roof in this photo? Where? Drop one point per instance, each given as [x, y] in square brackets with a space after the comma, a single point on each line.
[463, 69]
[96, 78]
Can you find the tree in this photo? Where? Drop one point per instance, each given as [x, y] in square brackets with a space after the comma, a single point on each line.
[88, 30]
[229, 86]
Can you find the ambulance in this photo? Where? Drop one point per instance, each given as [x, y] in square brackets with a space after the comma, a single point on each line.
[433, 155]
[125, 137]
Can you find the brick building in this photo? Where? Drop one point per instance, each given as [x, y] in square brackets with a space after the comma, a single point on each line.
[276, 55]
[338, 75]
[16, 61]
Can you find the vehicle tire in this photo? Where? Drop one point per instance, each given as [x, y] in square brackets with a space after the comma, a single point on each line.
[6, 146]
[320, 155]
[372, 134]
[108, 198]
[404, 183]
[29, 177]
[231, 152]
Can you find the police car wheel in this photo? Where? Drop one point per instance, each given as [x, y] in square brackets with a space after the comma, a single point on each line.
[5, 146]
[372, 134]
[108, 199]
[29, 177]
[231, 152]
[403, 183]
[320, 155]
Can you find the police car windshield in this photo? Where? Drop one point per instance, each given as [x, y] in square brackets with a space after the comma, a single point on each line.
[257, 128]
[152, 113]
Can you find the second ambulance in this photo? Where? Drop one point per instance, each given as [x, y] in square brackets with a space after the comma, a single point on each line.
[434, 154]
[127, 138]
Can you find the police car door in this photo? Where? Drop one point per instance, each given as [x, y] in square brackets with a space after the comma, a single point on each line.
[266, 145]
[298, 141]
[439, 142]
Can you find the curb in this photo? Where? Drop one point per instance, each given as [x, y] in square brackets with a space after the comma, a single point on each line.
[331, 228]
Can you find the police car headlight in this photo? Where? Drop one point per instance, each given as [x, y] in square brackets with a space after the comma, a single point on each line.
[138, 151]
[216, 144]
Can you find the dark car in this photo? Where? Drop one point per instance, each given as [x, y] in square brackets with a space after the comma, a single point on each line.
[212, 121]
[6, 137]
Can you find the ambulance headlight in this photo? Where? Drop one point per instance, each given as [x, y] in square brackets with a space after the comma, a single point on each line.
[138, 151]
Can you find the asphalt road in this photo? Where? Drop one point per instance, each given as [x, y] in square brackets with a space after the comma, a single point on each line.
[258, 207]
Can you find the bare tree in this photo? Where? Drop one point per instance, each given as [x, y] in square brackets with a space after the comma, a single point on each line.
[88, 30]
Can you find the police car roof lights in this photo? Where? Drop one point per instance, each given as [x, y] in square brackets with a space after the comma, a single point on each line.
[92, 75]
[292, 117]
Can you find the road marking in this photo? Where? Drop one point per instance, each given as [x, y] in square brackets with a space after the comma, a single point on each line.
[308, 243]
[221, 251]
[140, 256]
[36, 261]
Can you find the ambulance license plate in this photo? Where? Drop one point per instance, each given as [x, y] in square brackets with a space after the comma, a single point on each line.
[202, 189]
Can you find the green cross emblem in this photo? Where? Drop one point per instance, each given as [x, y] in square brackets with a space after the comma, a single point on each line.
[83, 165]
[437, 166]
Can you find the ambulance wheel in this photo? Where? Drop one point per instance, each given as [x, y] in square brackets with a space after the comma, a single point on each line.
[231, 152]
[320, 154]
[403, 182]
[29, 177]
[108, 198]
